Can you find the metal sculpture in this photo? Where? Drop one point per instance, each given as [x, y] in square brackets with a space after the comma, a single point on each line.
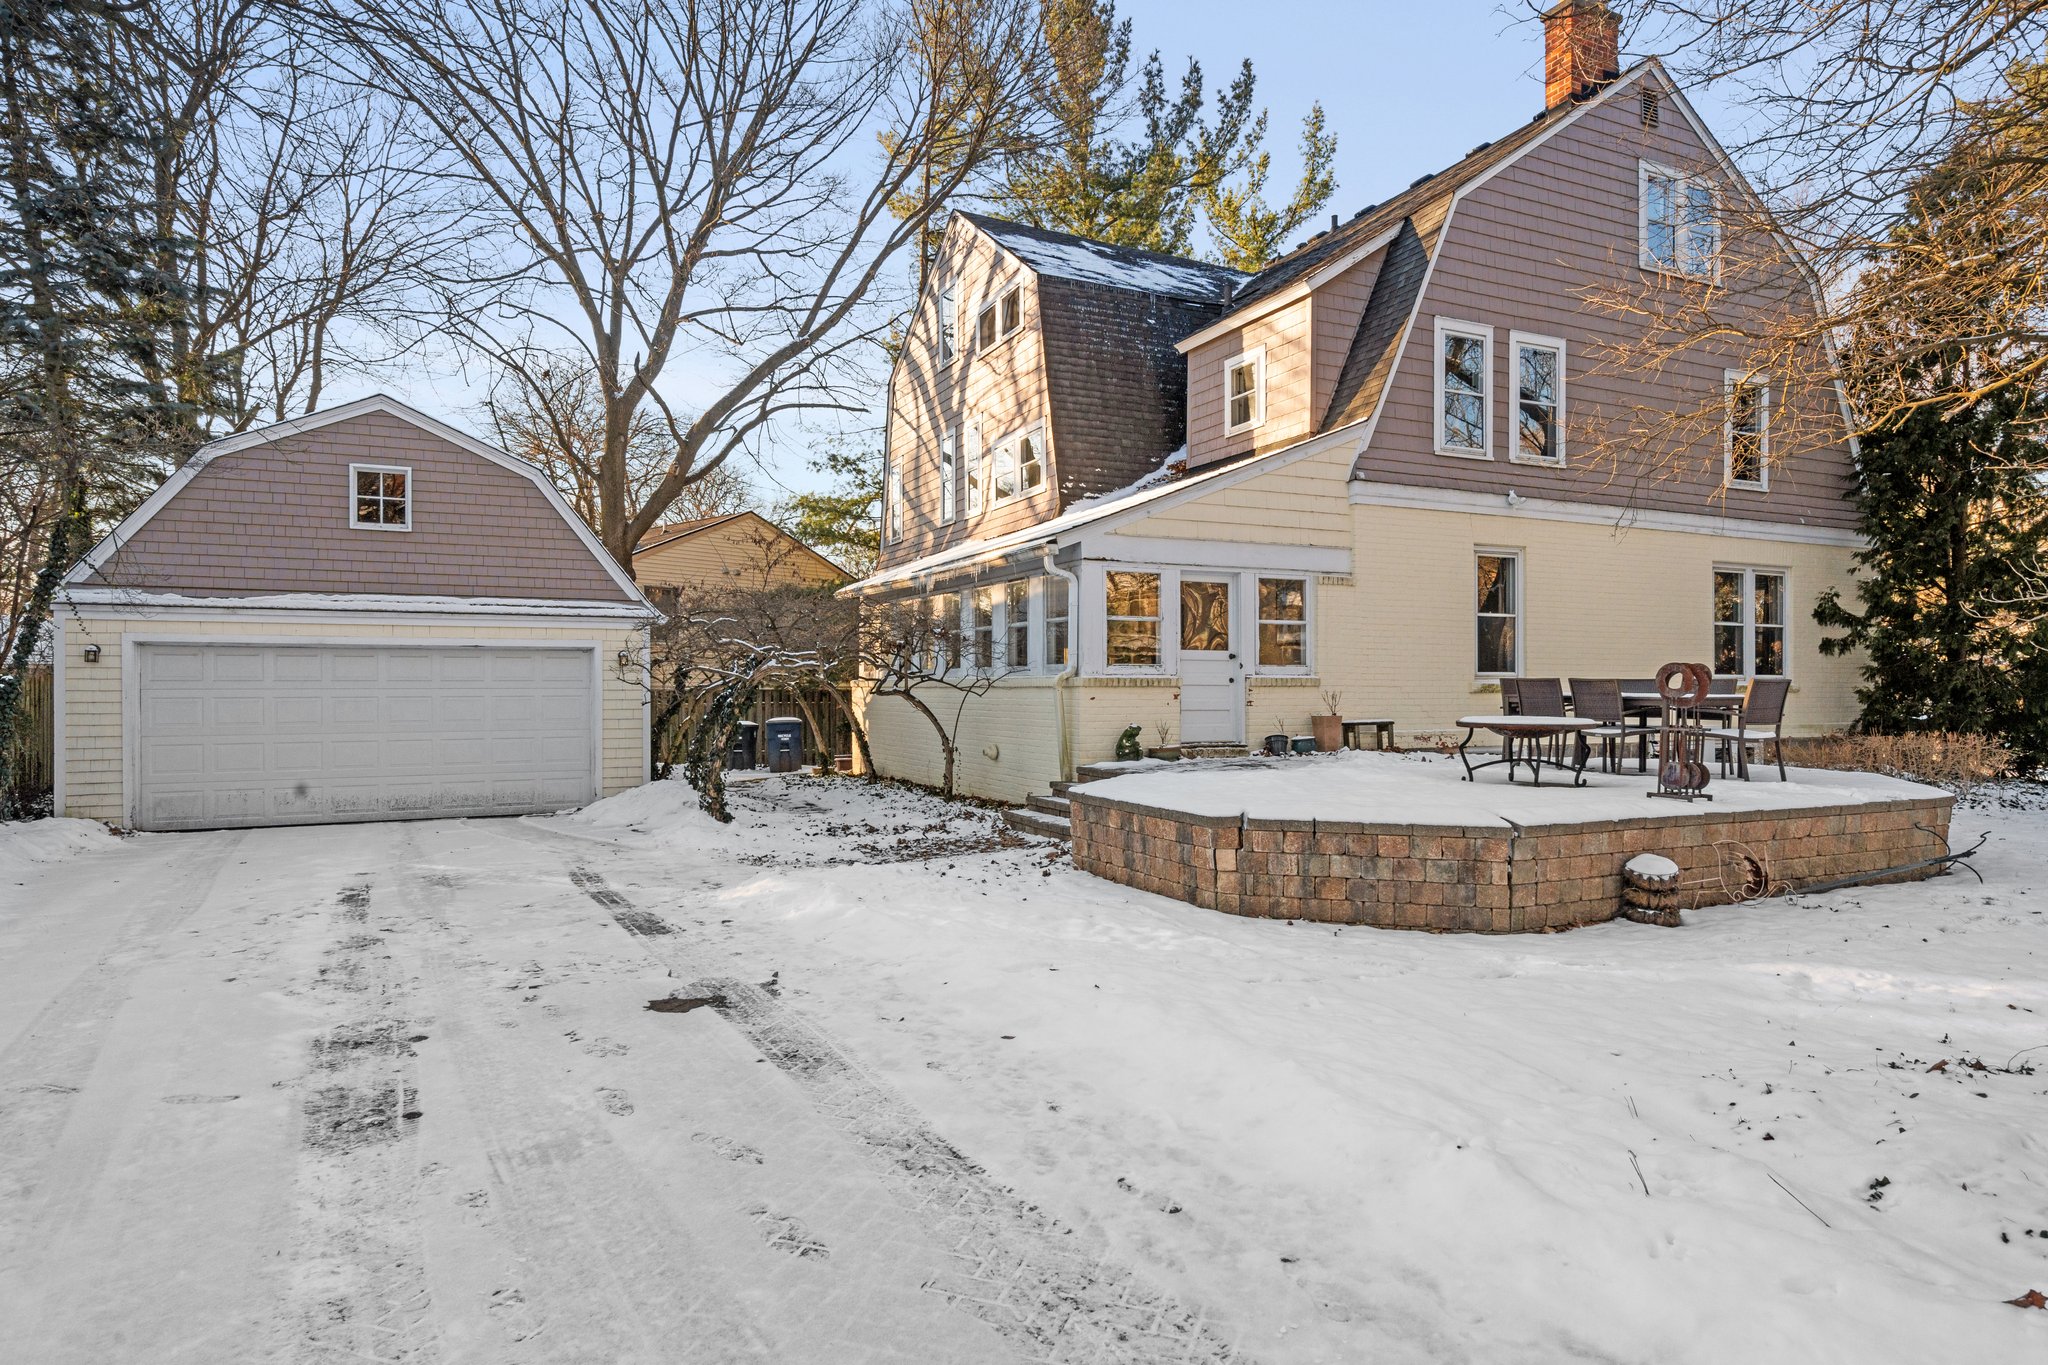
[1682, 772]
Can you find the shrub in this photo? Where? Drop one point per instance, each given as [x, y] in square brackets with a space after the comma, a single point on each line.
[1943, 759]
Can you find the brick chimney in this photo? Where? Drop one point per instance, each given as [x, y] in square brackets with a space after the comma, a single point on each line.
[1581, 50]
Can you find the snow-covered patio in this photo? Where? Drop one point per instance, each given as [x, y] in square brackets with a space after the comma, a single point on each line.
[394, 1092]
[1406, 841]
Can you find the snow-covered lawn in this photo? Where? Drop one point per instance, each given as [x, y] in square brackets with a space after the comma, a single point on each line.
[951, 1100]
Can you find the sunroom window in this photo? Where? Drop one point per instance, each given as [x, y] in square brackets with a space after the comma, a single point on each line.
[1283, 622]
[1131, 602]
[1017, 623]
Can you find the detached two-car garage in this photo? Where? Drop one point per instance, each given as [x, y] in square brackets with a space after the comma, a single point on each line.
[231, 734]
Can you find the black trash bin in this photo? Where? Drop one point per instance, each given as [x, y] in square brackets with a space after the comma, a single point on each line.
[785, 744]
[745, 751]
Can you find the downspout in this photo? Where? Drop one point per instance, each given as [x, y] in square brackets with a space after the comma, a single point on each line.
[1060, 679]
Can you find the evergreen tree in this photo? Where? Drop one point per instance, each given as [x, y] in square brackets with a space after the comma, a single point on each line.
[841, 522]
[1151, 190]
[83, 303]
[1953, 505]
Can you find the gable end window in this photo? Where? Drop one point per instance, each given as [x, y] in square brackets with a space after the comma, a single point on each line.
[1244, 391]
[381, 497]
[977, 471]
[1000, 318]
[1012, 310]
[895, 512]
[1539, 399]
[1746, 453]
[949, 324]
[985, 327]
[1681, 231]
[1464, 389]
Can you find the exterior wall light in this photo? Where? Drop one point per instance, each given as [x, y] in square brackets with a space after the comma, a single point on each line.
[92, 654]
[625, 660]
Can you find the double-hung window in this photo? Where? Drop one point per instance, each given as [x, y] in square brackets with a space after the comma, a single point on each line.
[1017, 623]
[1244, 391]
[382, 497]
[977, 477]
[949, 445]
[1747, 441]
[1464, 389]
[949, 324]
[1681, 230]
[985, 326]
[1004, 481]
[1749, 623]
[944, 654]
[1539, 399]
[1011, 310]
[981, 629]
[1283, 623]
[1056, 616]
[1019, 466]
[999, 318]
[1499, 614]
[895, 511]
[1131, 606]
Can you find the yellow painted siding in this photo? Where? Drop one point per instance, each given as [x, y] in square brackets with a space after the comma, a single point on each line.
[746, 552]
[1014, 719]
[1302, 502]
[90, 745]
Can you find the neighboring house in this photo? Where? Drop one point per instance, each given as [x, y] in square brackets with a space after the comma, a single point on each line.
[360, 614]
[1377, 495]
[739, 549]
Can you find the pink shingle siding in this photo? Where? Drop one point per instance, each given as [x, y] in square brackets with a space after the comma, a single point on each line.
[274, 518]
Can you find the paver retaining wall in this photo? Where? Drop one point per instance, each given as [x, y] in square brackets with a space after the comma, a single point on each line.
[1492, 878]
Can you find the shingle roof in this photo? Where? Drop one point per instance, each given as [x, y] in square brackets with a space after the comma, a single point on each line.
[1375, 219]
[1065, 256]
[676, 530]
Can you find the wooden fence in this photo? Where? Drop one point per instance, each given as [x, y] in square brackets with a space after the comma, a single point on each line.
[31, 761]
[836, 739]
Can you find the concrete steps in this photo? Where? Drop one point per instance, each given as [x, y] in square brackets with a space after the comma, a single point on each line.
[1032, 821]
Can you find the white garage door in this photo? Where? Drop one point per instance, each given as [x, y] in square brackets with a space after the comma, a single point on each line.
[295, 734]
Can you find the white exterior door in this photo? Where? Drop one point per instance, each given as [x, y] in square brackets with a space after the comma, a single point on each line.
[228, 734]
[1211, 676]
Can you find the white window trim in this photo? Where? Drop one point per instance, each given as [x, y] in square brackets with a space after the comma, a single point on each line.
[1041, 645]
[1749, 624]
[1255, 357]
[974, 459]
[1516, 341]
[1452, 327]
[1005, 333]
[1521, 611]
[949, 475]
[892, 515]
[1307, 667]
[1683, 179]
[949, 300]
[1762, 385]
[1013, 445]
[1033, 647]
[1168, 618]
[355, 469]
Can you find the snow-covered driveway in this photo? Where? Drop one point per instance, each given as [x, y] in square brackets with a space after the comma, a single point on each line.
[393, 1092]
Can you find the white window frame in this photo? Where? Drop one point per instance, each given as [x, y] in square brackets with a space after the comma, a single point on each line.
[1004, 333]
[1036, 436]
[949, 474]
[1168, 583]
[949, 324]
[1256, 358]
[987, 310]
[1307, 666]
[1730, 381]
[1009, 451]
[1013, 590]
[1749, 623]
[1519, 615]
[1047, 655]
[1449, 327]
[977, 471]
[946, 646]
[1686, 263]
[379, 469]
[894, 515]
[1517, 341]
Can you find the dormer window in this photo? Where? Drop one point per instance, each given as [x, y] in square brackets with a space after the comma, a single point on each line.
[383, 497]
[1244, 392]
[1681, 231]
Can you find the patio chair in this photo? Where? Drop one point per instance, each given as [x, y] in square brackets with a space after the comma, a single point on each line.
[1511, 696]
[1645, 731]
[1543, 697]
[1600, 699]
[1761, 721]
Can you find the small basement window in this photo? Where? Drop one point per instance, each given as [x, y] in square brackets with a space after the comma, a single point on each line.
[383, 497]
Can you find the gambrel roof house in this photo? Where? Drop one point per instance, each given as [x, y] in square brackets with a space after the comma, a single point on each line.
[358, 614]
[1356, 473]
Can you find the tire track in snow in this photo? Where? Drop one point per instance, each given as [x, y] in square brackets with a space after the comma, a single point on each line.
[606, 1274]
[357, 1286]
[49, 1062]
[1017, 1267]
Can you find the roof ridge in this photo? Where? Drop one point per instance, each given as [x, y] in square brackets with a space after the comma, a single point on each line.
[982, 219]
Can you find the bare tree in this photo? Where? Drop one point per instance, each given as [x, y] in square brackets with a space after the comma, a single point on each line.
[917, 654]
[1848, 104]
[709, 178]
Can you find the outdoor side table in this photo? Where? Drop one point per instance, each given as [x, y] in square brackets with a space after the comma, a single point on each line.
[1525, 736]
[1383, 733]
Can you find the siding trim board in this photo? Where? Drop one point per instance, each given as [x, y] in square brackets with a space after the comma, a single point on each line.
[1620, 516]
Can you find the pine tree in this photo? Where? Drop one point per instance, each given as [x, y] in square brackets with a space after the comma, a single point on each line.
[1954, 507]
[83, 304]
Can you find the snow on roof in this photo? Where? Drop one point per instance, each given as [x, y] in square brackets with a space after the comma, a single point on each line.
[356, 601]
[1068, 257]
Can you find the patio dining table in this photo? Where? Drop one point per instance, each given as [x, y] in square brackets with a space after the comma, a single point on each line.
[1525, 736]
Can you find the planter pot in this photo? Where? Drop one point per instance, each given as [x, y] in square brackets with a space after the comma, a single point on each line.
[1277, 746]
[1304, 744]
[1329, 732]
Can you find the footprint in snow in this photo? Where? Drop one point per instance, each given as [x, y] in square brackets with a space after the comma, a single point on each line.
[614, 1101]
